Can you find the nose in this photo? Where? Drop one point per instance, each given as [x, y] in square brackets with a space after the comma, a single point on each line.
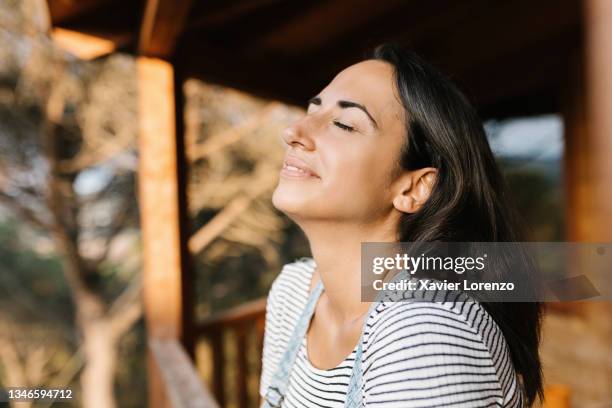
[299, 134]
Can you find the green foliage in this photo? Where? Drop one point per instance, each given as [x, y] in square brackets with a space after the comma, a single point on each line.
[32, 285]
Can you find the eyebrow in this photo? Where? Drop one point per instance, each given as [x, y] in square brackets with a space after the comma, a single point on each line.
[344, 105]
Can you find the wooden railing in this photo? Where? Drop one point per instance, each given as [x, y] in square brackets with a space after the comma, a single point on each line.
[183, 385]
[242, 326]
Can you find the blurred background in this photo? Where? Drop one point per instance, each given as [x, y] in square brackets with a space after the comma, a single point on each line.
[140, 145]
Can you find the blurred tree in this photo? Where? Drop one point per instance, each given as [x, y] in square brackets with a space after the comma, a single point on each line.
[35, 337]
[235, 151]
[67, 165]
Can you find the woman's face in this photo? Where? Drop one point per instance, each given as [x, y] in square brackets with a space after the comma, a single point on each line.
[349, 143]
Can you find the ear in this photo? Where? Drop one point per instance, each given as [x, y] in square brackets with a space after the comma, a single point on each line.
[415, 188]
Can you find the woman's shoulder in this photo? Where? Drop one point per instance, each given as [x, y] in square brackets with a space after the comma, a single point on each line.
[455, 311]
[445, 346]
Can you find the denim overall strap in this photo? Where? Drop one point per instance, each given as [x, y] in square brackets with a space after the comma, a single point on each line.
[354, 395]
[280, 381]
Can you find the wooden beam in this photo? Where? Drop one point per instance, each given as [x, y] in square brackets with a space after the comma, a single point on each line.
[162, 24]
[83, 46]
[62, 10]
[161, 178]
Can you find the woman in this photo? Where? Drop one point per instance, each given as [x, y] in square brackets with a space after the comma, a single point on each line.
[391, 151]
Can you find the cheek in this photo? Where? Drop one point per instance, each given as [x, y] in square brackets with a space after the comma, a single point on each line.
[359, 179]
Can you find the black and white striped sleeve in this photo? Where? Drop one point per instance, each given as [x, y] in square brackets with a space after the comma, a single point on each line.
[427, 354]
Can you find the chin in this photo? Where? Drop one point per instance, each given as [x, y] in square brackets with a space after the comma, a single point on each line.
[285, 201]
[293, 202]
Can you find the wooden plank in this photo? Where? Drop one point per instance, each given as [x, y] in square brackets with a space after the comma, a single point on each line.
[218, 351]
[156, 393]
[182, 382]
[241, 365]
[162, 24]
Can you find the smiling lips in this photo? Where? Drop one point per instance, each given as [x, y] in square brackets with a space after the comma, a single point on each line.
[296, 168]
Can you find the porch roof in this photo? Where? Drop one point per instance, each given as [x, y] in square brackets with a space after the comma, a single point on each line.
[505, 55]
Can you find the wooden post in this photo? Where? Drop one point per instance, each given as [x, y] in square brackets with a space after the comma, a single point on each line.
[597, 223]
[587, 109]
[588, 115]
[161, 181]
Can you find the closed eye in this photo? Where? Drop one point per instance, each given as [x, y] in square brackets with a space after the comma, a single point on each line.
[344, 127]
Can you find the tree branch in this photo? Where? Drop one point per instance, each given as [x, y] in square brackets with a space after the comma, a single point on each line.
[24, 212]
[123, 322]
[127, 308]
[232, 135]
[117, 224]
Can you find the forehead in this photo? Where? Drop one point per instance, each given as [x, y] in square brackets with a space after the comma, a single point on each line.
[370, 83]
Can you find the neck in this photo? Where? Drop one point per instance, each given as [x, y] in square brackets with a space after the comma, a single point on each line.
[336, 249]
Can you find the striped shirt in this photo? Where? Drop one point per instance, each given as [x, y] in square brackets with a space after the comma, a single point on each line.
[415, 354]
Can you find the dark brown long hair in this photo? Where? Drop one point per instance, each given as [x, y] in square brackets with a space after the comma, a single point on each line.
[470, 200]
